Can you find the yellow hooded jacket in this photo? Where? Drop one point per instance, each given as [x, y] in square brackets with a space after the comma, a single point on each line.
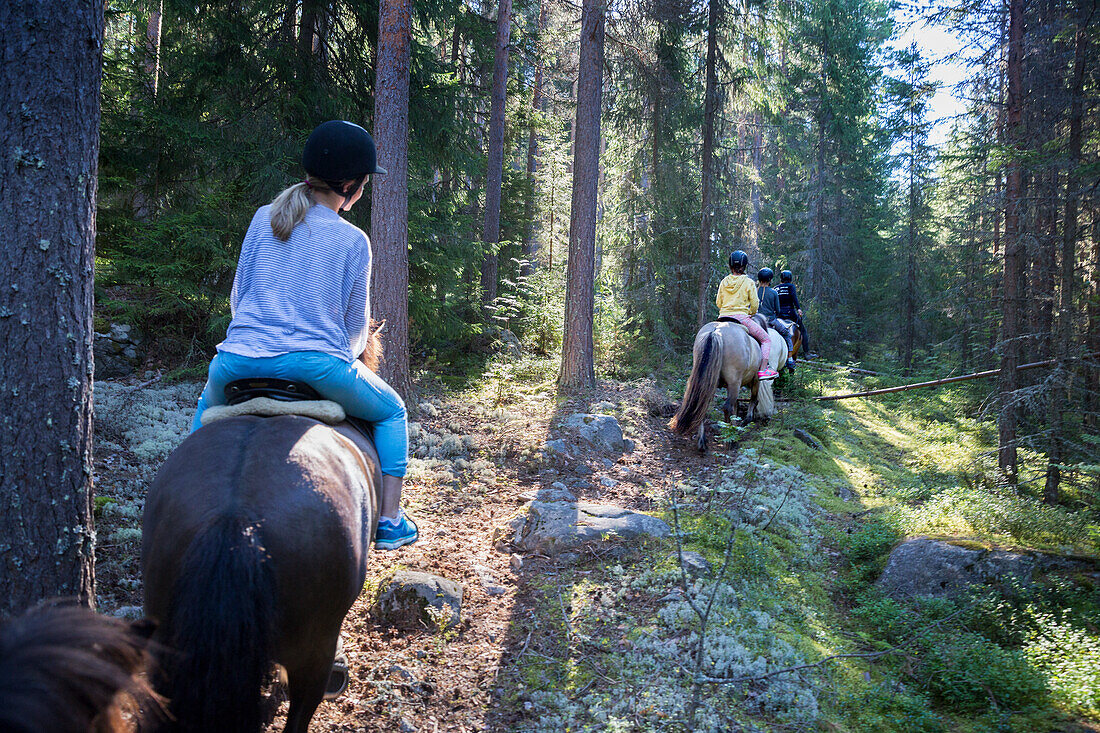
[737, 296]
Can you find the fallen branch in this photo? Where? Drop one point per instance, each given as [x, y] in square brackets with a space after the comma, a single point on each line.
[935, 383]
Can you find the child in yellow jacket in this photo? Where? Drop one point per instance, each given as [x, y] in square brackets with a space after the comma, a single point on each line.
[737, 301]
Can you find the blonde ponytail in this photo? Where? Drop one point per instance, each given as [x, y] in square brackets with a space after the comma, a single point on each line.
[289, 208]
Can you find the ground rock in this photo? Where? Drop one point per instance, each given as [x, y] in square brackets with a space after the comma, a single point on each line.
[695, 563]
[600, 431]
[808, 439]
[551, 528]
[404, 601]
[507, 342]
[556, 448]
[557, 492]
[925, 567]
[117, 352]
[488, 581]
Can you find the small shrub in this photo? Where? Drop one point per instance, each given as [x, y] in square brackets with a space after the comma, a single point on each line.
[1069, 658]
[883, 708]
[967, 672]
[886, 618]
[871, 541]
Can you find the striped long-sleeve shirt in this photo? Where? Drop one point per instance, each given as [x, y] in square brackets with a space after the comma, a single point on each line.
[309, 293]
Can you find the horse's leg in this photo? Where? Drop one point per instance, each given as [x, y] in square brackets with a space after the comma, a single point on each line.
[750, 414]
[306, 687]
[701, 443]
[729, 411]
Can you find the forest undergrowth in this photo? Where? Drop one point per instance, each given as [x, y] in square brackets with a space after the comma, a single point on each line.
[609, 639]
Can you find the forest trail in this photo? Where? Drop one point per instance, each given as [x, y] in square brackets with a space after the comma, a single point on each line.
[461, 682]
[606, 640]
[485, 451]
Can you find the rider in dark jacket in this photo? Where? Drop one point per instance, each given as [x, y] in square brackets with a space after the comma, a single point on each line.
[769, 308]
[789, 307]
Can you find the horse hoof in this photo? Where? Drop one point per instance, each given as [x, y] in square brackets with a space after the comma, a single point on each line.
[338, 677]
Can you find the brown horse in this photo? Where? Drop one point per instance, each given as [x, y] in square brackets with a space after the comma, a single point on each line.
[256, 533]
[725, 355]
[796, 340]
[65, 669]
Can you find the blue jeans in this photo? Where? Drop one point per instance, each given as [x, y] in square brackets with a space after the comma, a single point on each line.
[361, 392]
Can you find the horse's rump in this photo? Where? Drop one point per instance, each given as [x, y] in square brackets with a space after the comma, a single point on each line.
[255, 529]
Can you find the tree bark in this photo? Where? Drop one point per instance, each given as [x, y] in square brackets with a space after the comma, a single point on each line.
[1056, 402]
[530, 243]
[909, 308]
[817, 263]
[577, 359]
[307, 31]
[49, 128]
[706, 227]
[1014, 250]
[152, 48]
[390, 192]
[490, 231]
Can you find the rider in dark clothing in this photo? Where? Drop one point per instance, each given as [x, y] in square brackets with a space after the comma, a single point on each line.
[789, 307]
[769, 308]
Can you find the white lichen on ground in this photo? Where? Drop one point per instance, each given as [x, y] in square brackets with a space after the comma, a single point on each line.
[629, 670]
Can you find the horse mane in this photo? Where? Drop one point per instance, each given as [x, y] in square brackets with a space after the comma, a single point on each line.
[372, 355]
[66, 669]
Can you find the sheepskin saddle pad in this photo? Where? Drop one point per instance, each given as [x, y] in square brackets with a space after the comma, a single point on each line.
[326, 411]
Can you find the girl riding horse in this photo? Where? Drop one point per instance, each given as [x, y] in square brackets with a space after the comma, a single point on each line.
[301, 306]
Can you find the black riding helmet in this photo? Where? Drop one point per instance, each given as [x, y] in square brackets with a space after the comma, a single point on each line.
[785, 276]
[738, 259]
[339, 151]
[765, 275]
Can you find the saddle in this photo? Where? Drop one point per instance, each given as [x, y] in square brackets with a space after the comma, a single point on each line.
[268, 397]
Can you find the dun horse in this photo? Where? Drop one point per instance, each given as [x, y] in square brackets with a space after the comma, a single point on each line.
[725, 355]
[256, 532]
[65, 669]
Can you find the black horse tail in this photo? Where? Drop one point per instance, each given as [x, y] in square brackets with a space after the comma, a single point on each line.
[220, 630]
[702, 383]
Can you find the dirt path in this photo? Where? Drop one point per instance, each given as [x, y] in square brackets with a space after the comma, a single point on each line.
[477, 453]
[419, 680]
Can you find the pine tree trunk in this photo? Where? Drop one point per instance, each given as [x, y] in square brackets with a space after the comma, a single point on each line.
[908, 300]
[758, 177]
[152, 47]
[817, 264]
[490, 231]
[1012, 306]
[1064, 337]
[577, 359]
[49, 126]
[1092, 339]
[389, 222]
[709, 104]
[148, 184]
[306, 32]
[530, 243]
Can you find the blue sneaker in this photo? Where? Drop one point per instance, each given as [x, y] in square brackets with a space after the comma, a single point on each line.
[392, 535]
